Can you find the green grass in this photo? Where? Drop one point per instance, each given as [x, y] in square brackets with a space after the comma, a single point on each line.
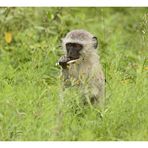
[32, 103]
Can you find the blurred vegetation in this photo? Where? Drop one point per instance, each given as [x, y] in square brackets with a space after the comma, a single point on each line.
[32, 103]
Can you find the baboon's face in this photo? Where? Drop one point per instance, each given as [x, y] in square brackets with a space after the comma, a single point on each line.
[73, 50]
[77, 44]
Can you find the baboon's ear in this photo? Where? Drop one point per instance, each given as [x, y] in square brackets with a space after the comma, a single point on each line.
[95, 42]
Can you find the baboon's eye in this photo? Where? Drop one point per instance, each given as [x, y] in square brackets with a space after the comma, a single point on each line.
[69, 45]
[78, 46]
[74, 46]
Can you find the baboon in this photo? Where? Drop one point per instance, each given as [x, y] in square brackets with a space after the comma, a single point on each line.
[81, 66]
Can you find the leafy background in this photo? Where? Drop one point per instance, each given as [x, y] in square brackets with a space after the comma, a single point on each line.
[32, 103]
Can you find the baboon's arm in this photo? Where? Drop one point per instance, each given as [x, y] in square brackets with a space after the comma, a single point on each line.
[63, 63]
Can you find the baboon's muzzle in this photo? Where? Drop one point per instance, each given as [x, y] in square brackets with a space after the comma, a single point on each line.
[66, 61]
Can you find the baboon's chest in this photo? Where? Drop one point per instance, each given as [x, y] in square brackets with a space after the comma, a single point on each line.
[78, 71]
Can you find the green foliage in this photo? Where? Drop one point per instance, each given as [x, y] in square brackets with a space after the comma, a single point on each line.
[33, 105]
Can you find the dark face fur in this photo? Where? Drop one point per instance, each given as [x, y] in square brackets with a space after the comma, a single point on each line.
[72, 53]
[73, 50]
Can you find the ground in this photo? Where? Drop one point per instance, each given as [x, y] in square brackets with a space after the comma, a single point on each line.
[32, 103]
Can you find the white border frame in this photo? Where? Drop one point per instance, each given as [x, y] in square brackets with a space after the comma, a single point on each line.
[74, 144]
[75, 3]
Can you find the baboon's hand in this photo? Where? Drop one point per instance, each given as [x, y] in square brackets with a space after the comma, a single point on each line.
[63, 62]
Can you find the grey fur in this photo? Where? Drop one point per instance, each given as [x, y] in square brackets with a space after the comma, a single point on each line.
[87, 70]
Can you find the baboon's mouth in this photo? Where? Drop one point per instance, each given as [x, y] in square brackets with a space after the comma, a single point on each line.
[72, 61]
[67, 61]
